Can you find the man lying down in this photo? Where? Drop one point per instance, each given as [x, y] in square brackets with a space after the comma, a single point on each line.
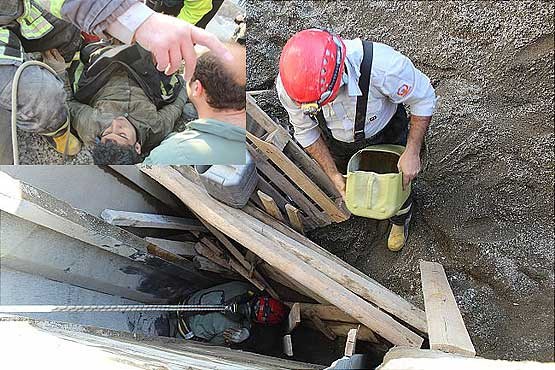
[124, 108]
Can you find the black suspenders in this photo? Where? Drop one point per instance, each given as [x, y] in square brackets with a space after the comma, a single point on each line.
[362, 101]
[364, 85]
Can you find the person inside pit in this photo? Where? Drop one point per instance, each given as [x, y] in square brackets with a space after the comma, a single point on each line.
[349, 94]
[41, 99]
[257, 326]
[217, 91]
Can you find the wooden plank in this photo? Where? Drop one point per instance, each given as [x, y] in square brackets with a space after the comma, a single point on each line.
[350, 277]
[281, 278]
[183, 249]
[294, 318]
[287, 345]
[342, 329]
[251, 271]
[325, 312]
[30, 203]
[323, 328]
[278, 138]
[350, 344]
[145, 183]
[294, 218]
[245, 230]
[446, 328]
[282, 183]
[300, 179]
[265, 187]
[136, 219]
[291, 149]
[270, 205]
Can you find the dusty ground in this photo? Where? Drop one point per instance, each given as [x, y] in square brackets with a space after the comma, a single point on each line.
[485, 198]
[35, 151]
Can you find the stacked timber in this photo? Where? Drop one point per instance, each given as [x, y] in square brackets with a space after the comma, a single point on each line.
[295, 261]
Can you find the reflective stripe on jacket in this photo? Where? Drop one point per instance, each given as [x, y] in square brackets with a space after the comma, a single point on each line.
[10, 46]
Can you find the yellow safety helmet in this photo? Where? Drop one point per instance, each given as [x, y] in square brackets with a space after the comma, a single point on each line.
[374, 183]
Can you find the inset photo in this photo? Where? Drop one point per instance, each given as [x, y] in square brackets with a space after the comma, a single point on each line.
[115, 82]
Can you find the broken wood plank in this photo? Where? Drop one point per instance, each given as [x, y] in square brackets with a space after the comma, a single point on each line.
[183, 249]
[294, 218]
[322, 327]
[287, 345]
[446, 328]
[136, 219]
[284, 185]
[294, 318]
[265, 187]
[30, 203]
[350, 344]
[349, 276]
[278, 138]
[239, 226]
[300, 179]
[270, 206]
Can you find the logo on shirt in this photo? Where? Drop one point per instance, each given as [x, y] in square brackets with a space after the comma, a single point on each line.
[403, 90]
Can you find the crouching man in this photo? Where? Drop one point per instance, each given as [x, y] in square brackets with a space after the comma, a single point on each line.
[256, 313]
[217, 90]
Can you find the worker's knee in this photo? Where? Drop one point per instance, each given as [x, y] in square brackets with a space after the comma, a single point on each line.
[41, 99]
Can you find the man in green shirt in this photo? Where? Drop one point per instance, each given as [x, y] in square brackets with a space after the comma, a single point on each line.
[217, 90]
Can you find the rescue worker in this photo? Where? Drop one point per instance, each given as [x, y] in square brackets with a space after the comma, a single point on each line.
[229, 329]
[344, 95]
[217, 91]
[197, 12]
[41, 100]
[123, 106]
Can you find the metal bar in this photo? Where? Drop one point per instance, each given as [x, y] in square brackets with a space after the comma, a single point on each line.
[111, 308]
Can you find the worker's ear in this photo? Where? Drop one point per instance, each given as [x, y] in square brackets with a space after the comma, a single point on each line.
[196, 88]
[137, 147]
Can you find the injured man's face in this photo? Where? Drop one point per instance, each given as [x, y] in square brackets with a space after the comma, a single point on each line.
[121, 132]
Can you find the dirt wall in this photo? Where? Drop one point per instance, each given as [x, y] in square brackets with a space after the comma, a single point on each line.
[485, 197]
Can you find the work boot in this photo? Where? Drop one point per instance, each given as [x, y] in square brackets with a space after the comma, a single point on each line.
[398, 236]
[63, 141]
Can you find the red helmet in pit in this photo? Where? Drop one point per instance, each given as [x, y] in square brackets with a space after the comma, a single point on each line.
[311, 68]
[268, 311]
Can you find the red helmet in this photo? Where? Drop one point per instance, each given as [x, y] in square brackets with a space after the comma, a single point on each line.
[311, 66]
[268, 311]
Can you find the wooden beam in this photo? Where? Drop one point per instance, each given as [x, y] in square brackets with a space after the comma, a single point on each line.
[294, 218]
[239, 226]
[446, 328]
[265, 187]
[278, 138]
[294, 318]
[350, 344]
[259, 115]
[341, 329]
[325, 312]
[284, 184]
[284, 280]
[346, 274]
[300, 179]
[136, 219]
[270, 206]
[30, 203]
[183, 249]
[287, 345]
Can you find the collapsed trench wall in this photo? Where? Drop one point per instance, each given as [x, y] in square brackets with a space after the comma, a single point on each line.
[485, 197]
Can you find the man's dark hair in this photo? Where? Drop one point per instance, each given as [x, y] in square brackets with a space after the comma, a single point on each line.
[112, 153]
[222, 88]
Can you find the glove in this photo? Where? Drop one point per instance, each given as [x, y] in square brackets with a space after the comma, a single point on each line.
[55, 60]
[236, 335]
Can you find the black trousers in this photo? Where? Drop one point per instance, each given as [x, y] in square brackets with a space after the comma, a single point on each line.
[395, 132]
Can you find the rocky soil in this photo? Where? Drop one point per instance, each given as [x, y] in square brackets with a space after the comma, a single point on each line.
[485, 197]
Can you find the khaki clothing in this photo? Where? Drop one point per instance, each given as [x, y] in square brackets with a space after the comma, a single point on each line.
[123, 97]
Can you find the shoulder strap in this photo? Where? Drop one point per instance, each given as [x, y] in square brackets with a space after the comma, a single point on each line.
[364, 85]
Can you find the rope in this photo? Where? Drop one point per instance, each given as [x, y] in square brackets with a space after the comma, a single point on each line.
[113, 308]
[15, 87]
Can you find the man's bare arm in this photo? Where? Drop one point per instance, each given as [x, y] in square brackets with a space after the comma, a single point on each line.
[409, 162]
[320, 152]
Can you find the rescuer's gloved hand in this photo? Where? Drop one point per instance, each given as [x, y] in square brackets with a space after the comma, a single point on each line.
[236, 335]
[54, 59]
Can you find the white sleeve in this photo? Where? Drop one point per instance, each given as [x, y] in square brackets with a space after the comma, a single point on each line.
[404, 83]
[306, 130]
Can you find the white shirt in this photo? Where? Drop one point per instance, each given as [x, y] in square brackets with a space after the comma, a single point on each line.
[393, 80]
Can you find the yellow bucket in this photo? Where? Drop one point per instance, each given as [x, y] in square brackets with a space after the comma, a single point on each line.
[374, 184]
